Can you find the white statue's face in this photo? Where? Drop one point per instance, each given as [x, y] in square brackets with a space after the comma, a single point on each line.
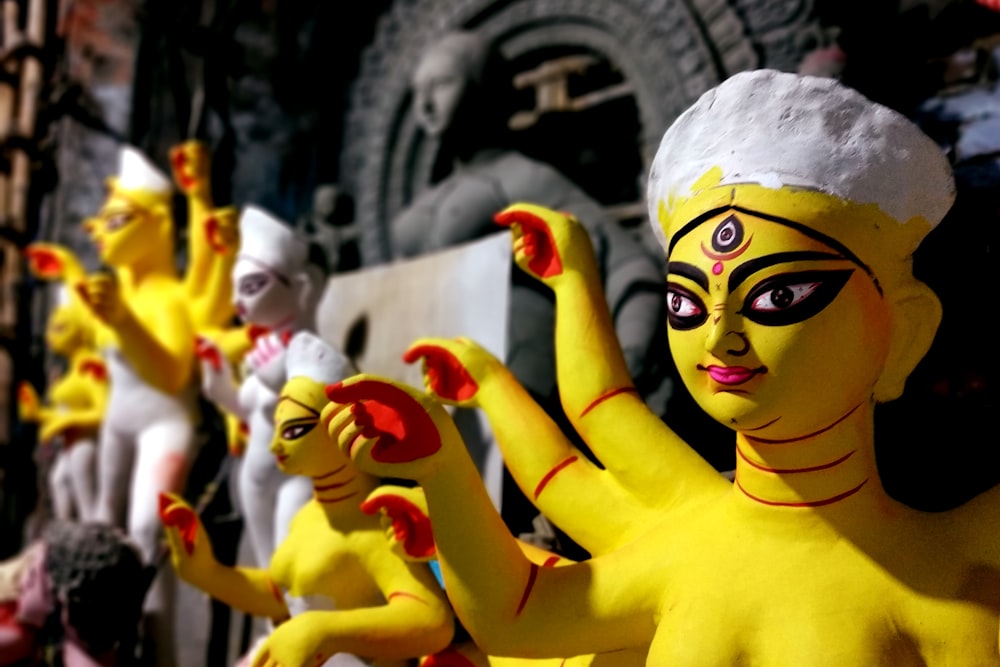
[262, 296]
[438, 86]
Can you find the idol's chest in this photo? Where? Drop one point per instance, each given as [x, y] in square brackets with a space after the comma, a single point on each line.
[734, 595]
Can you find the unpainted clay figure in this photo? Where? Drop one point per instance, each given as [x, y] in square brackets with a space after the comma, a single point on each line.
[461, 97]
[335, 577]
[149, 315]
[75, 593]
[275, 289]
[789, 208]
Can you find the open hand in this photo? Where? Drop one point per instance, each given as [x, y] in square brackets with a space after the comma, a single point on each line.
[51, 261]
[387, 428]
[101, 294]
[454, 369]
[405, 518]
[191, 165]
[28, 403]
[190, 548]
[546, 243]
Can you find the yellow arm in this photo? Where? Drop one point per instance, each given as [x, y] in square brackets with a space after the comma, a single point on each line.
[597, 393]
[88, 376]
[160, 343]
[510, 605]
[247, 589]
[586, 502]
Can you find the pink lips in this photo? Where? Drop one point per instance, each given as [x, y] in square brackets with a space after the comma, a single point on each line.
[732, 375]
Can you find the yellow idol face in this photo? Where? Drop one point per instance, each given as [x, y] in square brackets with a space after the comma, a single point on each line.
[119, 231]
[776, 330]
[301, 444]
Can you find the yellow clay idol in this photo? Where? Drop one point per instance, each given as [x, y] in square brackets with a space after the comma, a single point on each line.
[148, 317]
[788, 208]
[74, 408]
[335, 575]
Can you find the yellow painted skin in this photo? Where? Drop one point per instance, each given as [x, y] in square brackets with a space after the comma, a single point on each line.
[387, 608]
[804, 560]
[75, 402]
[148, 310]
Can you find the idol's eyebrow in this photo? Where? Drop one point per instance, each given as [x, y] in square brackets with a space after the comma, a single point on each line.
[286, 397]
[689, 271]
[752, 266]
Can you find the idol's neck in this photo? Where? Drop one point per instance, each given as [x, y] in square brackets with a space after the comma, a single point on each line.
[342, 489]
[831, 467]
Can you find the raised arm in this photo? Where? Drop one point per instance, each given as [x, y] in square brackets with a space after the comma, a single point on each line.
[510, 605]
[158, 342]
[595, 386]
[213, 238]
[247, 589]
[91, 376]
[586, 502]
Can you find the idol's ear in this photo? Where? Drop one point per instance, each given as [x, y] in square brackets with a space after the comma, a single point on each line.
[916, 314]
[308, 286]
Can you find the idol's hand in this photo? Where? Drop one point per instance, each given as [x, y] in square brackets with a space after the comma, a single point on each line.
[454, 369]
[28, 404]
[192, 167]
[54, 424]
[388, 429]
[404, 516]
[222, 230]
[267, 347]
[546, 243]
[300, 641]
[216, 373]
[51, 261]
[190, 548]
[101, 294]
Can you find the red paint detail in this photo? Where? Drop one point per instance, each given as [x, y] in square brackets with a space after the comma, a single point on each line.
[609, 394]
[811, 503]
[445, 373]
[255, 331]
[182, 517]
[404, 594]
[338, 485]
[545, 262]
[330, 501]
[449, 657]
[285, 337]
[96, 369]
[243, 428]
[213, 235]
[551, 561]
[532, 576]
[782, 471]
[763, 441]
[44, 262]
[404, 430]
[717, 268]
[411, 526]
[25, 394]
[331, 473]
[727, 255]
[275, 591]
[206, 351]
[179, 162]
[543, 482]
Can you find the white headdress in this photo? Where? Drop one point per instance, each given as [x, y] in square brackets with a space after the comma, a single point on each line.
[310, 356]
[137, 173]
[269, 241]
[777, 129]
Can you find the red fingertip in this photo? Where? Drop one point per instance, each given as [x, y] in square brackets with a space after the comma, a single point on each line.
[333, 390]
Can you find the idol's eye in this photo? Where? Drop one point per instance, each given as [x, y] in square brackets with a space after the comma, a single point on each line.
[250, 285]
[117, 221]
[793, 297]
[296, 431]
[684, 309]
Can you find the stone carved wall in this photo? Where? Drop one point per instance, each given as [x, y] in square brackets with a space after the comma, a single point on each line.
[668, 51]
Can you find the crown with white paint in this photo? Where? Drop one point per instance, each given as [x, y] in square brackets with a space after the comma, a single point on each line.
[310, 356]
[781, 130]
[137, 174]
[269, 241]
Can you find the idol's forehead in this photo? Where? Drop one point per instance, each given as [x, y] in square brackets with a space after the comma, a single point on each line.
[301, 397]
